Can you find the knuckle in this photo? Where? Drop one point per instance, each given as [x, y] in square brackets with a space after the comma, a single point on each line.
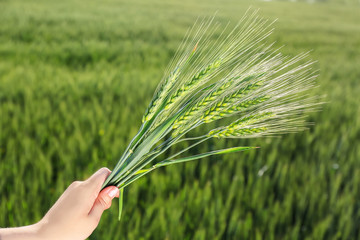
[75, 184]
[78, 183]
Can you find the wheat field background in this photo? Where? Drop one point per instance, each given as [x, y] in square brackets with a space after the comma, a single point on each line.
[76, 77]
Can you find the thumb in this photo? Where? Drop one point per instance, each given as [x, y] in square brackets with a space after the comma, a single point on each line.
[103, 201]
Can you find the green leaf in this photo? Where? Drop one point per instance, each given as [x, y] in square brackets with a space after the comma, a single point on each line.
[121, 196]
[202, 155]
[142, 171]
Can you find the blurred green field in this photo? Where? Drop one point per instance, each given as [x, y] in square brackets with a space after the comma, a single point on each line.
[76, 77]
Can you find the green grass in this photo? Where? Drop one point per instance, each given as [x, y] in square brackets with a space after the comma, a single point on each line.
[75, 80]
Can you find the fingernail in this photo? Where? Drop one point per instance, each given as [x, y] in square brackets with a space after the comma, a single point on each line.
[113, 192]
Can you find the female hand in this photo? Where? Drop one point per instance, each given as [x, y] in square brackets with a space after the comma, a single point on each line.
[74, 216]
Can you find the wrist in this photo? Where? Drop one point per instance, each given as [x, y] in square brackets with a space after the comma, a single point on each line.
[31, 232]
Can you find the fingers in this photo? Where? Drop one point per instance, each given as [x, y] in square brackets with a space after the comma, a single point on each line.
[97, 179]
[103, 202]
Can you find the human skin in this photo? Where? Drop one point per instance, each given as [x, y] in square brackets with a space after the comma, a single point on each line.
[74, 216]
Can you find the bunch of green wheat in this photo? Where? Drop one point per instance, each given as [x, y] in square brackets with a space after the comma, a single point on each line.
[219, 74]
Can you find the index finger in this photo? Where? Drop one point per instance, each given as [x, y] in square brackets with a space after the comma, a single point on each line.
[97, 179]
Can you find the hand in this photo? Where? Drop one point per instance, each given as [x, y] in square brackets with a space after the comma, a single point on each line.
[74, 216]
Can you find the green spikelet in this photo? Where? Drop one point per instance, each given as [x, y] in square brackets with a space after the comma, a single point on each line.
[222, 109]
[181, 121]
[192, 84]
[241, 132]
[161, 94]
[205, 102]
[242, 126]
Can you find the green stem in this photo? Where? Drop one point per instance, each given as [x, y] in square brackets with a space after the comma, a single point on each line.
[151, 157]
[191, 146]
[157, 153]
[181, 160]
